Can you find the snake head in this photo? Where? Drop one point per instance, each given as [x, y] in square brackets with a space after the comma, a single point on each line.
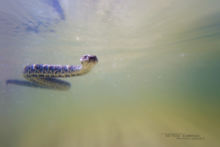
[88, 59]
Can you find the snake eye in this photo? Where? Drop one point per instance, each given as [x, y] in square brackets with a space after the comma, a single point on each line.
[84, 58]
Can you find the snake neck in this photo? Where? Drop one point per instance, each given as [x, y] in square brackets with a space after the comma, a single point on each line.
[80, 69]
[84, 68]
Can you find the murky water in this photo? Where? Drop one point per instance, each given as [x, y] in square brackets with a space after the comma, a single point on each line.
[156, 83]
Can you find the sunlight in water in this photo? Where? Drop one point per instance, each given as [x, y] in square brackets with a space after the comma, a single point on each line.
[156, 82]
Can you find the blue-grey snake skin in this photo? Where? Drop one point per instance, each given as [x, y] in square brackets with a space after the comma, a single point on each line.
[46, 75]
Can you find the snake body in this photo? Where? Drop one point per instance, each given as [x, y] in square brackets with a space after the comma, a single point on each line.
[46, 75]
[51, 71]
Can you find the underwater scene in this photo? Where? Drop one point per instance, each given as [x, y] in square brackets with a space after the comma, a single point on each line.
[153, 82]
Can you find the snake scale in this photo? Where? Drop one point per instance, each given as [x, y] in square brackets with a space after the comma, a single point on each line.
[46, 75]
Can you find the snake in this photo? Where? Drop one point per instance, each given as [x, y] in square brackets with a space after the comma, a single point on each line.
[46, 75]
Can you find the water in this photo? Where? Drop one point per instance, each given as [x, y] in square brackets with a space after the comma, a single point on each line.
[156, 83]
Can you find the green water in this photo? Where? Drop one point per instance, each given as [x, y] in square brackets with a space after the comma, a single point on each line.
[157, 76]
